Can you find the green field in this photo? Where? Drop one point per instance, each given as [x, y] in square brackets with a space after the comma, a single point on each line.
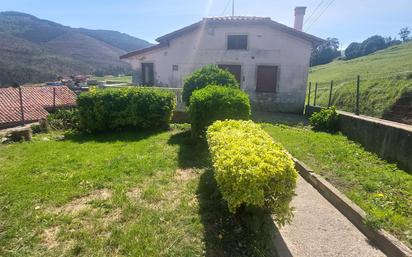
[385, 76]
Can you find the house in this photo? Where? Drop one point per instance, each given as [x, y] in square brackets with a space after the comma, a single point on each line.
[270, 60]
[37, 101]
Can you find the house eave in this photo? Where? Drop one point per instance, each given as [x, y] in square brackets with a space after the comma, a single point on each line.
[144, 50]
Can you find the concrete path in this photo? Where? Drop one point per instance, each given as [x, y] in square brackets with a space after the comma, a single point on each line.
[318, 229]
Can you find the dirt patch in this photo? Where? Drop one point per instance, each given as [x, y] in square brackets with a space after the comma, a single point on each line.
[135, 193]
[171, 193]
[97, 224]
[185, 174]
[111, 217]
[82, 203]
[49, 237]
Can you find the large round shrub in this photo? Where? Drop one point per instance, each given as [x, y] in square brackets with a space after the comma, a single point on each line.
[251, 169]
[207, 75]
[216, 103]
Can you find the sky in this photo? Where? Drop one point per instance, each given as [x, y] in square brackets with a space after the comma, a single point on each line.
[347, 20]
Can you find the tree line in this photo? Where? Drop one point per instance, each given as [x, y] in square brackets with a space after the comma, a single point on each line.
[328, 51]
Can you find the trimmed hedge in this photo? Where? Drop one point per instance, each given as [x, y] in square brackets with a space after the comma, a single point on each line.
[251, 169]
[114, 109]
[216, 103]
[207, 75]
[325, 120]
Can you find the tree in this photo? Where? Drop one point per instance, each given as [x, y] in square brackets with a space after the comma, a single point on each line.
[326, 52]
[392, 41]
[404, 33]
[353, 50]
[373, 44]
[368, 46]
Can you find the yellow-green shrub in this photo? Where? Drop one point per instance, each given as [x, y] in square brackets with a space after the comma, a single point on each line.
[250, 168]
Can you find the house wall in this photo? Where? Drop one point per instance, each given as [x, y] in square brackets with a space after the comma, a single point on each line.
[266, 46]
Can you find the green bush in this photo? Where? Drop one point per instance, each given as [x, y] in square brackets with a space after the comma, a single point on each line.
[63, 119]
[114, 109]
[207, 75]
[216, 103]
[36, 129]
[325, 120]
[251, 169]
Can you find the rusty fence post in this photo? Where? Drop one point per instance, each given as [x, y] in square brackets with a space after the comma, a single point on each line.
[357, 95]
[310, 88]
[23, 122]
[54, 98]
[330, 93]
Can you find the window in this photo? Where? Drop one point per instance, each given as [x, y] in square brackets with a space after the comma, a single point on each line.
[237, 42]
[175, 67]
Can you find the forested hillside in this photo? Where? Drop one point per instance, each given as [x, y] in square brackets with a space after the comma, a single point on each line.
[33, 50]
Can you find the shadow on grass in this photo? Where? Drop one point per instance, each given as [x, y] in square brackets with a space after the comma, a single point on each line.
[251, 233]
[290, 119]
[113, 136]
[225, 234]
[192, 153]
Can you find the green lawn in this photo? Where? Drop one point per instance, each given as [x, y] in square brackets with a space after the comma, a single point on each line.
[379, 188]
[118, 194]
[385, 76]
[153, 194]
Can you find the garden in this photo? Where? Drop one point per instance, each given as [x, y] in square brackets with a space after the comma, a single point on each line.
[115, 178]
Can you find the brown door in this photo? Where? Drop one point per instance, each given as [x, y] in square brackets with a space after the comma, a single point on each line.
[236, 70]
[266, 78]
[148, 74]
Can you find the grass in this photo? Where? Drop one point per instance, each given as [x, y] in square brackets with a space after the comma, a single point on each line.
[121, 79]
[382, 190]
[118, 194]
[385, 77]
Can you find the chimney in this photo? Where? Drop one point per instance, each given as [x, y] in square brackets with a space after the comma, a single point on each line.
[299, 14]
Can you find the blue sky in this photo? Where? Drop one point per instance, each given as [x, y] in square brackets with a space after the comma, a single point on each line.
[348, 20]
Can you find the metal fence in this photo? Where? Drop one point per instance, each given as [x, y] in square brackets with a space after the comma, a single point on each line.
[180, 104]
[316, 85]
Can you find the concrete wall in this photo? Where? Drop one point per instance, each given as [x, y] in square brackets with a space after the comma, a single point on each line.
[266, 46]
[391, 141]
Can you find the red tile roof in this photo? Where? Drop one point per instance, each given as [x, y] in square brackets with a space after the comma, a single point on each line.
[36, 102]
[237, 18]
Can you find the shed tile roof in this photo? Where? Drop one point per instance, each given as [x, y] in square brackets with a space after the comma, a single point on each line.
[244, 20]
[36, 102]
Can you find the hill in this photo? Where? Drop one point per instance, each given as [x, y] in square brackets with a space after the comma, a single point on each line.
[386, 83]
[35, 50]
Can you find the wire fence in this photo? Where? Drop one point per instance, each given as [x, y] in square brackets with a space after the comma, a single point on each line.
[330, 94]
[370, 93]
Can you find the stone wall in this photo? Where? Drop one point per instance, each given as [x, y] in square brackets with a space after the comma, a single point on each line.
[391, 141]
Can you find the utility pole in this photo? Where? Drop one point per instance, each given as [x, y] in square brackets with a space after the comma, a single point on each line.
[233, 8]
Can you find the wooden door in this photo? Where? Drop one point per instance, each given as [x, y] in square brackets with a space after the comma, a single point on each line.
[236, 70]
[148, 74]
[267, 77]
